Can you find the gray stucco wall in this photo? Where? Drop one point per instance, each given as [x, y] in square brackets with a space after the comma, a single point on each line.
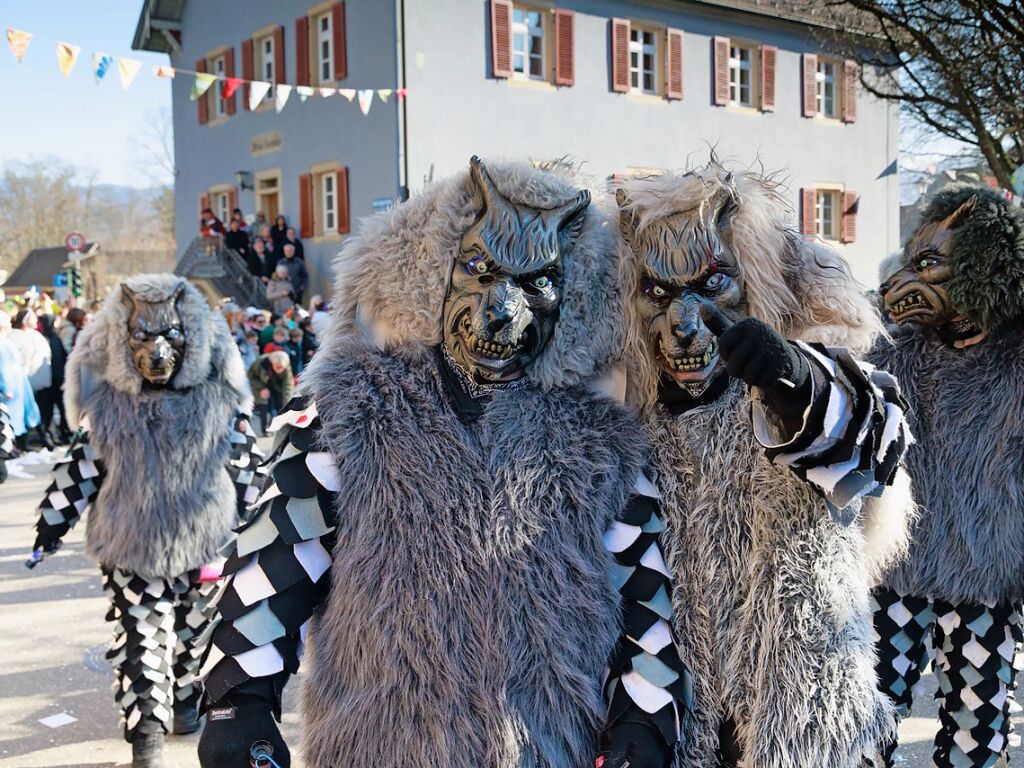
[317, 131]
[455, 109]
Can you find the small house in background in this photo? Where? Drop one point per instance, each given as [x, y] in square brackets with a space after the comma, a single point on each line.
[623, 86]
[41, 267]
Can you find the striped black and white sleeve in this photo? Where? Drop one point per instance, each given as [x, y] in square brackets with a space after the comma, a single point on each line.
[74, 484]
[853, 435]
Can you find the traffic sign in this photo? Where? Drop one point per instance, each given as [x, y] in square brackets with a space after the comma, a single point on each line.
[75, 241]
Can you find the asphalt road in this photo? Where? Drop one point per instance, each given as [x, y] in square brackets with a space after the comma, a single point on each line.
[51, 659]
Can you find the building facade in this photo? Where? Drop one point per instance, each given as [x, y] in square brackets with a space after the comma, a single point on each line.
[623, 86]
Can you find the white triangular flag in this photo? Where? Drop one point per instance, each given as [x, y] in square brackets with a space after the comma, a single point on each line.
[281, 94]
[128, 69]
[257, 91]
[366, 100]
[348, 93]
[384, 93]
[325, 92]
[304, 91]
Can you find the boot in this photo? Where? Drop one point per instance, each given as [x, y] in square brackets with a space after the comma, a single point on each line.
[148, 750]
[186, 718]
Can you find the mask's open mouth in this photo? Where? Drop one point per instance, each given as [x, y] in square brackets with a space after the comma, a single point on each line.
[912, 305]
[501, 358]
[689, 367]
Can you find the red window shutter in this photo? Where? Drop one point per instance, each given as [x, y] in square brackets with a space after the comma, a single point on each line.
[232, 201]
[565, 47]
[280, 73]
[769, 54]
[673, 63]
[501, 38]
[851, 81]
[204, 202]
[340, 44]
[247, 71]
[850, 205]
[720, 54]
[620, 29]
[229, 71]
[341, 184]
[306, 205]
[203, 102]
[808, 222]
[302, 50]
[810, 85]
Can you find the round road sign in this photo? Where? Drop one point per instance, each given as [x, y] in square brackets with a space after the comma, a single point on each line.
[75, 241]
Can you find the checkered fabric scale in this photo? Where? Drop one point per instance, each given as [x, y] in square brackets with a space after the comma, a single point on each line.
[75, 483]
[246, 466]
[6, 433]
[974, 648]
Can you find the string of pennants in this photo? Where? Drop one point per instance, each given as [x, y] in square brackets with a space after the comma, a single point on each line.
[128, 69]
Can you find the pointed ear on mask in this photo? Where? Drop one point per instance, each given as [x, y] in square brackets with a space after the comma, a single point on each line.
[129, 298]
[961, 214]
[627, 218]
[569, 218]
[480, 184]
[178, 293]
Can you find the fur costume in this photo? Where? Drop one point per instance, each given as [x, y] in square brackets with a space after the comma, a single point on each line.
[165, 471]
[772, 570]
[469, 613]
[957, 595]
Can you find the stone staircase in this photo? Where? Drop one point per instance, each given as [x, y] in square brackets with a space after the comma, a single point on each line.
[221, 273]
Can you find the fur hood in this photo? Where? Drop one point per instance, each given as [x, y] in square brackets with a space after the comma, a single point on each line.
[392, 277]
[803, 289]
[988, 255]
[102, 354]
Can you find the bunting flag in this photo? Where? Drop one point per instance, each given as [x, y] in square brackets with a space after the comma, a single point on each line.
[304, 91]
[384, 94]
[18, 40]
[401, 92]
[231, 85]
[325, 92]
[257, 91]
[101, 63]
[67, 55]
[167, 72]
[128, 69]
[281, 94]
[366, 100]
[201, 84]
[348, 93]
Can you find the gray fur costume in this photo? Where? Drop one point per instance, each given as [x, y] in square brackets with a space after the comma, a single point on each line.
[771, 590]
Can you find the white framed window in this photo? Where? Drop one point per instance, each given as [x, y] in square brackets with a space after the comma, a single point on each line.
[741, 76]
[826, 209]
[267, 73]
[222, 206]
[324, 26]
[826, 87]
[643, 61]
[329, 202]
[220, 104]
[528, 48]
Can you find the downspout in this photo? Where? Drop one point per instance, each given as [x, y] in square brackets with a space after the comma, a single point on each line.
[403, 140]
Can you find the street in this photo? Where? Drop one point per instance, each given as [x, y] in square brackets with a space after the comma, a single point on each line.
[54, 639]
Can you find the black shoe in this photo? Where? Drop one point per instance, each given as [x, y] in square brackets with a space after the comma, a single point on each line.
[148, 750]
[186, 720]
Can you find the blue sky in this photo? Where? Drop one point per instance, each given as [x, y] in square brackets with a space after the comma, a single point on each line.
[94, 127]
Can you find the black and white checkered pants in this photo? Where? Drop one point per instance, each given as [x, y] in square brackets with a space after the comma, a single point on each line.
[152, 653]
[974, 648]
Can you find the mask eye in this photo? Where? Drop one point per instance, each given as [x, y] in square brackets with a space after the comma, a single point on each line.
[926, 262]
[656, 293]
[477, 266]
[139, 336]
[174, 334]
[714, 282]
[541, 282]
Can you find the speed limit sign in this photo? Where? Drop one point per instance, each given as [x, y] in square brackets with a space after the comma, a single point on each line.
[75, 241]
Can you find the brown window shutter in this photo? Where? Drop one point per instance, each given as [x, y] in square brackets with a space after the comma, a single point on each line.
[302, 50]
[673, 63]
[501, 38]
[232, 201]
[810, 73]
[204, 202]
[850, 204]
[306, 205]
[203, 102]
[229, 71]
[340, 41]
[720, 54]
[247, 70]
[565, 47]
[851, 81]
[280, 73]
[620, 29]
[341, 186]
[808, 223]
[769, 55]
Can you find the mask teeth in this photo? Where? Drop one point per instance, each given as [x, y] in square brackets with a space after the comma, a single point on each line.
[493, 349]
[690, 363]
[911, 301]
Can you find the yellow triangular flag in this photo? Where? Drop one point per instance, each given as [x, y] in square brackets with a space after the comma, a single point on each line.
[384, 93]
[18, 40]
[128, 69]
[67, 55]
[348, 93]
[201, 85]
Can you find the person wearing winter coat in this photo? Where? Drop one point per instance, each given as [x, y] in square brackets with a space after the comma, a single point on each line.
[53, 396]
[280, 291]
[297, 272]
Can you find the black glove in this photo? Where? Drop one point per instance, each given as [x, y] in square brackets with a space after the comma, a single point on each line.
[635, 743]
[760, 356]
[233, 726]
[48, 537]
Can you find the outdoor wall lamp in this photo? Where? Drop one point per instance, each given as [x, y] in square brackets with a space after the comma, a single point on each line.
[243, 179]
